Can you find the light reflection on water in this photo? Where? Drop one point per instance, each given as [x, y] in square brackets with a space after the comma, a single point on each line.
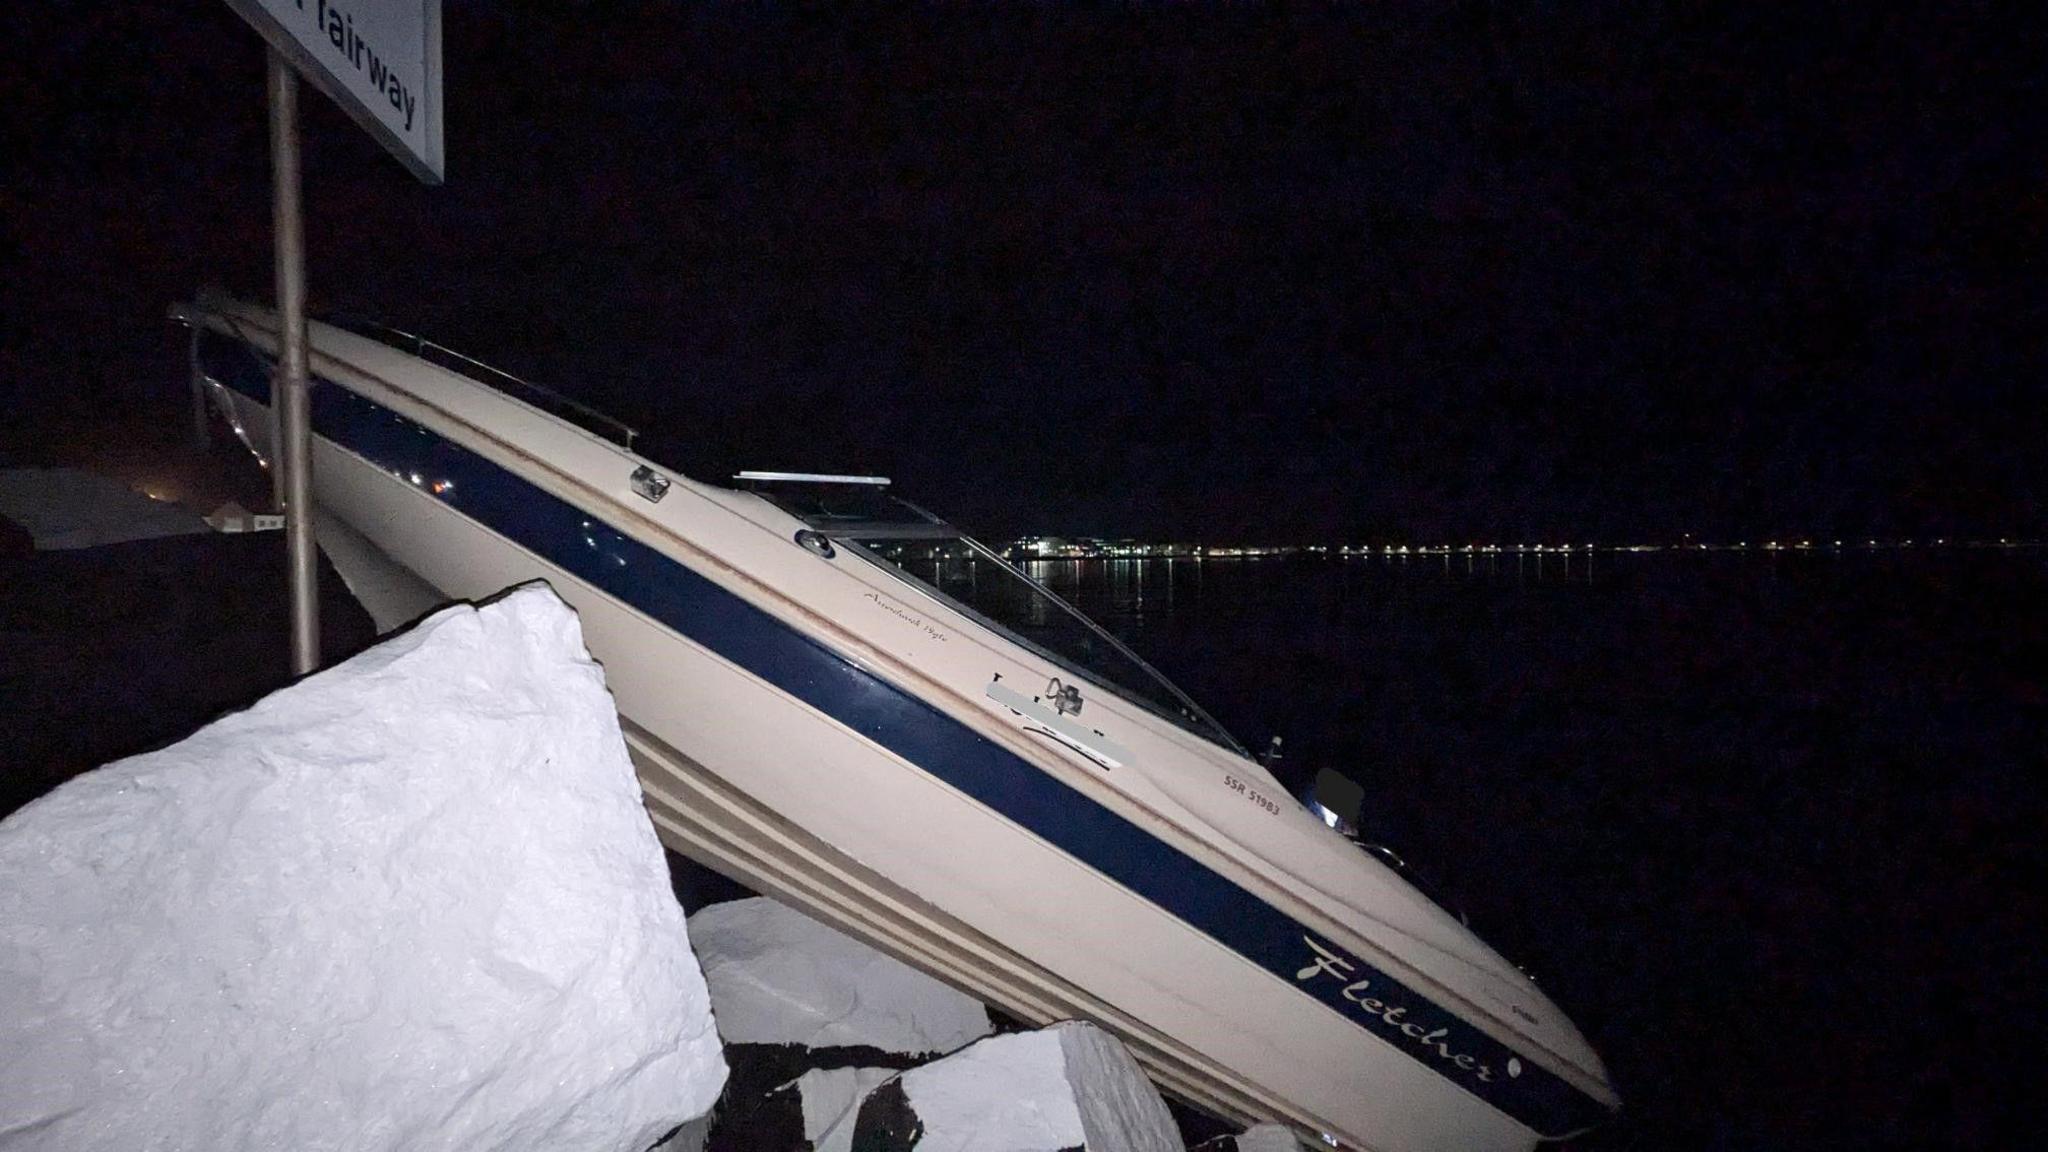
[1123, 592]
[1131, 595]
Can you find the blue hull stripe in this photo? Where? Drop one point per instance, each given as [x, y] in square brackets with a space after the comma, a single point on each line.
[905, 724]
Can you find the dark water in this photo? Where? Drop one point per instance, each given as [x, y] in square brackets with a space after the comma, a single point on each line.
[1769, 828]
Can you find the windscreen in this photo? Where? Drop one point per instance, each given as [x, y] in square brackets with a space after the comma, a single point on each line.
[964, 572]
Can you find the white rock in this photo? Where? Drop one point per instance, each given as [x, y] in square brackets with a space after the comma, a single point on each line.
[831, 1103]
[780, 977]
[410, 902]
[1269, 1138]
[1068, 1086]
[1258, 1138]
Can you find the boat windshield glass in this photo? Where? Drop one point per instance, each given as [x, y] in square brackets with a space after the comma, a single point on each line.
[940, 561]
[972, 577]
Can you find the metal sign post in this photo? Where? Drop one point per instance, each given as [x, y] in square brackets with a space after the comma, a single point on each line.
[380, 60]
[293, 454]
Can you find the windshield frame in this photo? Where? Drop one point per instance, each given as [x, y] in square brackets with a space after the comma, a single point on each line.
[1197, 722]
[803, 496]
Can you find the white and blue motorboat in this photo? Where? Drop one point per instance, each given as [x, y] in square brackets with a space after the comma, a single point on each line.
[843, 701]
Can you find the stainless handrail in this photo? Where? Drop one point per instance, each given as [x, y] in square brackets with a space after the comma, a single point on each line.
[421, 346]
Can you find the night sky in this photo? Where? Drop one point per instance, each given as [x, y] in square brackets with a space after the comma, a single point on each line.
[1608, 273]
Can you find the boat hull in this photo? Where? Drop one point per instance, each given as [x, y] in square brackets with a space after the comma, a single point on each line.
[790, 760]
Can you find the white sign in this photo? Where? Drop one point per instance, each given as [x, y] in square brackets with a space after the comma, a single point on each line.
[379, 59]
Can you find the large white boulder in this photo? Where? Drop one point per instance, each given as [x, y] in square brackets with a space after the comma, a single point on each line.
[779, 977]
[1068, 1086]
[410, 902]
